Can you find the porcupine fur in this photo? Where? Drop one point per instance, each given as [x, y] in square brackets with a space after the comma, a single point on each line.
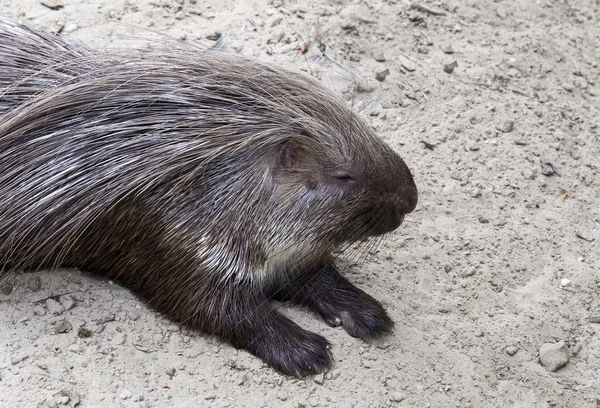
[207, 182]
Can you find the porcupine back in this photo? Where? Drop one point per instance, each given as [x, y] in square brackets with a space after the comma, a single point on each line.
[32, 61]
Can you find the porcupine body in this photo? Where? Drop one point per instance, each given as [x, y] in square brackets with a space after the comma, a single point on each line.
[207, 182]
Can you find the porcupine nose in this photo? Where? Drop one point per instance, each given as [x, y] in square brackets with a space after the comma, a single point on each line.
[402, 203]
[397, 205]
[407, 199]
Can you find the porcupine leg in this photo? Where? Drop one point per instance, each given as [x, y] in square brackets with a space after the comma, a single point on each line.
[238, 313]
[325, 291]
[247, 320]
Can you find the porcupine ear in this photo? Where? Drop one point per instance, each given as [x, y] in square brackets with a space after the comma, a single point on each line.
[288, 154]
[291, 151]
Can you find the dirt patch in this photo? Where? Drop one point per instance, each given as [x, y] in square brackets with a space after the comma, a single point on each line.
[494, 105]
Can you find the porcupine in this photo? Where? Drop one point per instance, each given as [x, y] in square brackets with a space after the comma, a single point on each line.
[209, 183]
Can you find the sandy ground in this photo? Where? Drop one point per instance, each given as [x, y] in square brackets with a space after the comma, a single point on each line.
[506, 153]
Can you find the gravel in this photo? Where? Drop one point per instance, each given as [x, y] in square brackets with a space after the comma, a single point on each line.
[510, 63]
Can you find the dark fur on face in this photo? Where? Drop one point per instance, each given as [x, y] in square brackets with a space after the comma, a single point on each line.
[207, 182]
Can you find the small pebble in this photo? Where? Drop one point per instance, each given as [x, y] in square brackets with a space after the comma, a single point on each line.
[397, 397]
[213, 36]
[428, 145]
[511, 350]
[75, 348]
[567, 87]
[51, 403]
[501, 12]
[70, 28]
[379, 57]
[125, 395]
[63, 326]
[380, 76]
[54, 307]
[276, 21]
[547, 167]
[470, 271]
[34, 284]
[39, 311]
[365, 87]
[75, 398]
[565, 282]
[407, 64]
[506, 126]
[449, 68]
[348, 25]
[17, 360]
[319, 378]
[554, 355]
[67, 302]
[447, 49]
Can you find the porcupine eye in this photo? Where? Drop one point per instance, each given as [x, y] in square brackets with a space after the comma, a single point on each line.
[343, 177]
[343, 180]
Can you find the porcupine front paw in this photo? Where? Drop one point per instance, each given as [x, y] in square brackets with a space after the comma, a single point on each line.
[295, 352]
[358, 313]
[326, 292]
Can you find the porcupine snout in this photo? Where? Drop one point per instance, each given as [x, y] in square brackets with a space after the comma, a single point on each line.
[401, 200]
